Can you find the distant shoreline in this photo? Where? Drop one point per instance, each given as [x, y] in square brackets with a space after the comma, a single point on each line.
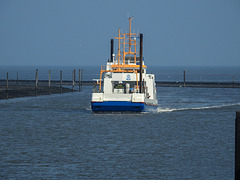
[88, 73]
[26, 88]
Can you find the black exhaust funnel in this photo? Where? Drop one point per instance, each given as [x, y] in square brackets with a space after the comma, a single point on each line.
[112, 42]
[141, 60]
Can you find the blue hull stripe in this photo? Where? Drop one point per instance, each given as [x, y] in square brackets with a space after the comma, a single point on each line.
[117, 106]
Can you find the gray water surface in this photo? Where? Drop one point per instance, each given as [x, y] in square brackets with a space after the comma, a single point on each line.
[190, 136]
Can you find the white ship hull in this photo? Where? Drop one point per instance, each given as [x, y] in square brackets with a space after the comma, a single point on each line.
[124, 84]
[122, 102]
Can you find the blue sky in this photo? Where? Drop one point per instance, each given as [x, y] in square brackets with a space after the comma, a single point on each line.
[78, 32]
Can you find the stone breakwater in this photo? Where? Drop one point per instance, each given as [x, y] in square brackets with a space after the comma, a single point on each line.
[25, 88]
[26, 91]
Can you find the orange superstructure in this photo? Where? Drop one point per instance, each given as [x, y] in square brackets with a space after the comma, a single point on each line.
[126, 59]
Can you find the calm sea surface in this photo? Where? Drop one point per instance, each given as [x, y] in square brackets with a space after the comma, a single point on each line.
[190, 136]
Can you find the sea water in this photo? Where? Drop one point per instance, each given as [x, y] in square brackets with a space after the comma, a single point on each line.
[189, 136]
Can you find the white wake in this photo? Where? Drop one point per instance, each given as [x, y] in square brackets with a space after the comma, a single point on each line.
[161, 110]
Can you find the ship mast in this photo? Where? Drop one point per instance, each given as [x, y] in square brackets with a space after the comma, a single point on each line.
[129, 36]
[119, 50]
[129, 67]
[130, 43]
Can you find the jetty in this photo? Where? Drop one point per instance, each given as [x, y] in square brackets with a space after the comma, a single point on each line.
[10, 88]
[13, 88]
[25, 88]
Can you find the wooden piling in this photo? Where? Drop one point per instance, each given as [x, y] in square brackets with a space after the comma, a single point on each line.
[79, 79]
[184, 78]
[237, 146]
[73, 80]
[36, 83]
[17, 78]
[233, 81]
[7, 87]
[49, 80]
[60, 81]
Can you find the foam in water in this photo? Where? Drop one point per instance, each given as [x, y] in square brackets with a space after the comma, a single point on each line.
[161, 110]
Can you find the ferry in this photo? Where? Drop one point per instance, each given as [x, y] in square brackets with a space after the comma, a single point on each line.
[124, 85]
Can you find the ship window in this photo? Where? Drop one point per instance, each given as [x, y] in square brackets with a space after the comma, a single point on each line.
[119, 86]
